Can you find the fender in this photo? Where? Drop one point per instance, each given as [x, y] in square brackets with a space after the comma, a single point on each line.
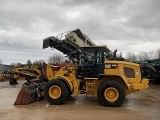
[117, 76]
[72, 83]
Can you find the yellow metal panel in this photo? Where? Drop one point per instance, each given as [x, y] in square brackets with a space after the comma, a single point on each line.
[111, 71]
[145, 82]
[140, 86]
[137, 86]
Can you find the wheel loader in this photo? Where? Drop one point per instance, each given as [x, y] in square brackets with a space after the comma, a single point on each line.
[8, 76]
[95, 72]
[31, 74]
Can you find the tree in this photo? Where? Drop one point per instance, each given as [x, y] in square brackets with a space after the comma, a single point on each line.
[38, 62]
[143, 56]
[16, 64]
[152, 55]
[29, 63]
[158, 53]
[131, 57]
[56, 59]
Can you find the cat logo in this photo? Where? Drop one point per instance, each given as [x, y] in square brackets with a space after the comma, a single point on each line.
[111, 66]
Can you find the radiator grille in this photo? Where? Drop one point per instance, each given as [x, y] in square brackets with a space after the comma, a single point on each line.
[129, 72]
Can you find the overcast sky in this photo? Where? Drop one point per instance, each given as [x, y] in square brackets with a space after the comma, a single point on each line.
[126, 25]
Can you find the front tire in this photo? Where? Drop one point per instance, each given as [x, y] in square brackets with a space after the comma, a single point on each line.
[56, 92]
[111, 93]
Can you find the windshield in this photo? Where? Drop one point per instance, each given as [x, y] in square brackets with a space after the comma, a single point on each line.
[91, 56]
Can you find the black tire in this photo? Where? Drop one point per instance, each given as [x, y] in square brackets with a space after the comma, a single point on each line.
[70, 93]
[113, 85]
[64, 92]
[13, 81]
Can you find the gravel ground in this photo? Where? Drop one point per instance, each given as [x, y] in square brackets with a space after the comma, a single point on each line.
[142, 105]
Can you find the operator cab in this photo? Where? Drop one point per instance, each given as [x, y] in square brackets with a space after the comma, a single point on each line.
[91, 61]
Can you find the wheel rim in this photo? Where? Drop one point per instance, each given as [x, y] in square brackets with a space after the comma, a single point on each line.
[111, 94]
[55, 92]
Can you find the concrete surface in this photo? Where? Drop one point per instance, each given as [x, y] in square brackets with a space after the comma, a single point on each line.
[142, 105]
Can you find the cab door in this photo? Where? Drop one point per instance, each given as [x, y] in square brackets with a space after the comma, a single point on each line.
[92, 62]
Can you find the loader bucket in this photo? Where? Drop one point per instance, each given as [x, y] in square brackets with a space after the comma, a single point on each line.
[26, 96]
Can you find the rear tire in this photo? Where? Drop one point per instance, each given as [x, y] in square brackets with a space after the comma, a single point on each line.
[56, 92]
[111, 93]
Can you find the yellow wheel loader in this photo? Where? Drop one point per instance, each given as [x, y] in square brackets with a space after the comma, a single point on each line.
[8, 76]
[31, 74]
[96, 73]
[109, 80]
